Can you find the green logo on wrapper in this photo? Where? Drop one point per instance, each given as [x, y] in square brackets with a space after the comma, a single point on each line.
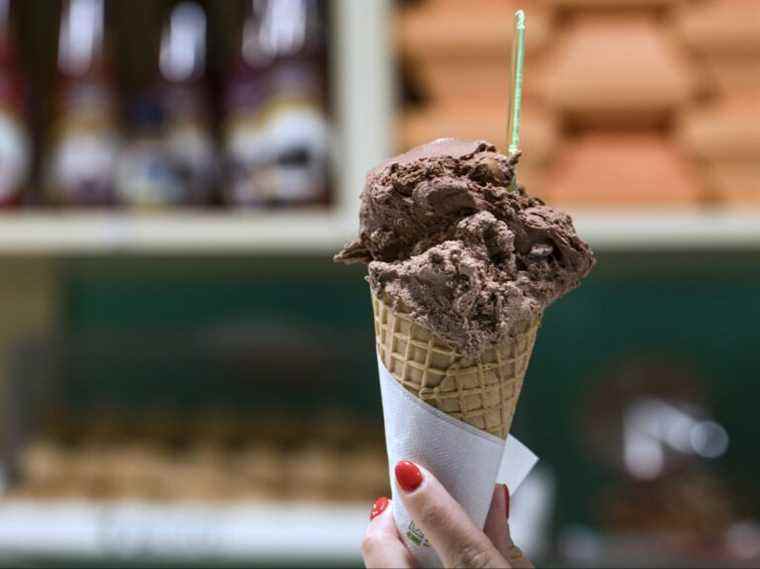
[416, 536]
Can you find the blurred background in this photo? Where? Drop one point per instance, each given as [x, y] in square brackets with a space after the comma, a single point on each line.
[185, 377]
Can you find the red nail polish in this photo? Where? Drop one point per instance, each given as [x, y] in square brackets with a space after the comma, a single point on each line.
[408, 475]
[506, 499]
[378, 507]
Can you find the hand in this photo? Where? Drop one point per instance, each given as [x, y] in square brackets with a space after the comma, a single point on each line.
[456, 540]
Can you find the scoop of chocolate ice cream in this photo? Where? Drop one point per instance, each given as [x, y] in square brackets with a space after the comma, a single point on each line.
[451, 237]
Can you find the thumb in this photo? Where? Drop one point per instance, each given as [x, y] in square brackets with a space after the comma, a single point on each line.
[497, 529]
[496, 522]
[515, 556]
[513, 553]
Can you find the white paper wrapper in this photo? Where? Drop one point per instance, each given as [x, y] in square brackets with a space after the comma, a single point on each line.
[467, 461]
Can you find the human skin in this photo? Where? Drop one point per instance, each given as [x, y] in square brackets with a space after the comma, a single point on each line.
[456, 540]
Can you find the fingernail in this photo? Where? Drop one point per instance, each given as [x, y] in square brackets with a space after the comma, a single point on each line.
[378, 507]
[506, 499]
[408, 475]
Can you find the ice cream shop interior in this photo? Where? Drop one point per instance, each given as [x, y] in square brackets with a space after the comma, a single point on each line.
[188, 376]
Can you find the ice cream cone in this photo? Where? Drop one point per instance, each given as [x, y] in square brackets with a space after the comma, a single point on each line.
[481, 391]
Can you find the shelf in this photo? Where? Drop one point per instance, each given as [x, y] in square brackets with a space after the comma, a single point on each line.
[322, 232]
[317, 534]
[652, 230]
[312, 231]
[136, 530]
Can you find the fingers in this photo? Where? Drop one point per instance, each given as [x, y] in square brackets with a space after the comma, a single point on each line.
[496, 522]
[458, 542]
[513, 553]
[516, 557]
[382, 547]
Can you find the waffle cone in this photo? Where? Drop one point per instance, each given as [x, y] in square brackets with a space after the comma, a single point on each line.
[482, 391]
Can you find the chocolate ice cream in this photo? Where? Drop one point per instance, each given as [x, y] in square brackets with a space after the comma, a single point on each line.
[467, 252]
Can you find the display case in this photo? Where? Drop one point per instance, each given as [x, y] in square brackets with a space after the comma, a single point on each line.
[199, 384]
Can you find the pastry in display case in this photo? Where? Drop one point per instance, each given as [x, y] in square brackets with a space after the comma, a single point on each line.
[216, 457]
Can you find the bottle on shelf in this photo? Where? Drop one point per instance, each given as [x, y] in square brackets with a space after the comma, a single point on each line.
[85, 137]
[170, 159]
[15, 151]
[277, 128]
[144, 176]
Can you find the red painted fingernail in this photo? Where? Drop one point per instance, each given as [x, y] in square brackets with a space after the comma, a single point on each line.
[506, 499]
[378, 507]
[408, 475]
